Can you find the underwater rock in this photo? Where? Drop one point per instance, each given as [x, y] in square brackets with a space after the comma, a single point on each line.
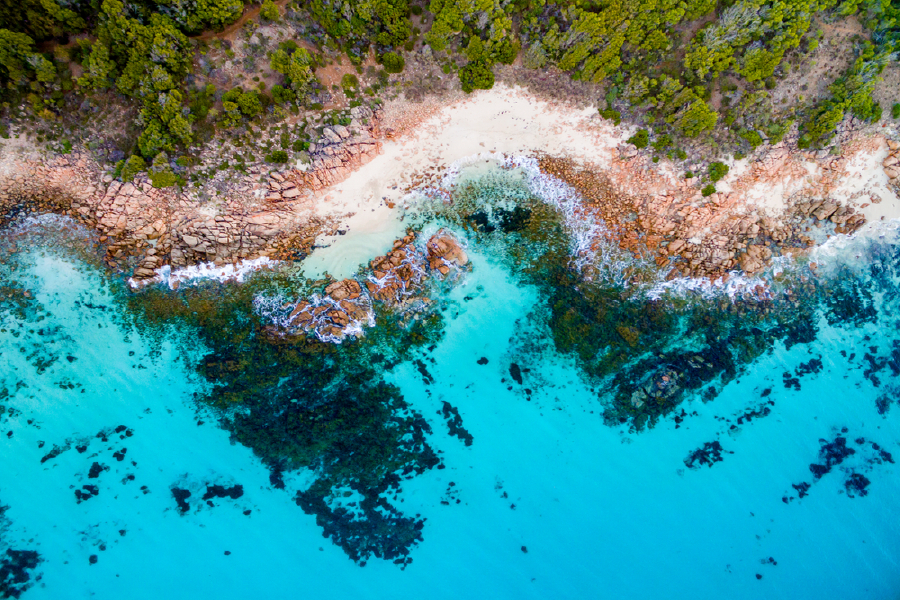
[86, 493]
[96, 469]
[629, 334]
[443, 249]
[220, 491]
[856, 485]
[15, 567]
[832, 454]
[516, 373]
[455, 423]
[853, 461]
[708, 454]
[181, 496]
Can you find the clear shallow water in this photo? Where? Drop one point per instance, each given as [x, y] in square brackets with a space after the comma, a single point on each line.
[548, 500]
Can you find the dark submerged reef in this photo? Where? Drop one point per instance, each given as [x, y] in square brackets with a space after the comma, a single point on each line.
[853, 458]
[650, 355]
[15, 571]
[16, 566]
[301, 403]
[295, 401]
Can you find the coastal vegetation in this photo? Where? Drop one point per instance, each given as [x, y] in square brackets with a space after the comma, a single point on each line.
[691, 72]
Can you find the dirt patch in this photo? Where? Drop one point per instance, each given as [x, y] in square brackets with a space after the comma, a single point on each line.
[811, 76]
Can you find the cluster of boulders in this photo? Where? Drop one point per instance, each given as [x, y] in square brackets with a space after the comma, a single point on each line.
[330, 318]
[144, 228]
[692, 235]
[660, 387]
[397, 280]
[332, 158]
[444, 253]
[892, 163]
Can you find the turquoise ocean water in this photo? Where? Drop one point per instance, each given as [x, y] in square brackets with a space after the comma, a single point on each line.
[159, 444]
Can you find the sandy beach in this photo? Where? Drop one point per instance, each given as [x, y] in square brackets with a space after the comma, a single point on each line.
[765, 188]
[777, 201]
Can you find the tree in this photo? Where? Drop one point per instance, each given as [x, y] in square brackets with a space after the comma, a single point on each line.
[98, 68]
[506, 51]
[269, 11]
[476, 76]
[759, 63]
[297, 69]
[193, 16]
[16, 52]
[249, 104]
[393, 62]
[448, 19]
[695, 119]
[40, 19]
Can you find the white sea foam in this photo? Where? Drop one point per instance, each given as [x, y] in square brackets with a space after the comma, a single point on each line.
[277, 310]
[45, 220]
[205, 271]
[838, 251]
[736, 285]
[855, 249]
[593, 247]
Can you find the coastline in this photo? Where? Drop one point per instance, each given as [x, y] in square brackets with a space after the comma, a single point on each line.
[778, 201]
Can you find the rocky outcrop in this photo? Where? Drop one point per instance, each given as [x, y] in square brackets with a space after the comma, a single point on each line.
[444, 253]
[396, 280]
[891, 164]
[691, 235]
[342, 311]
[144, 228]
[332, 158]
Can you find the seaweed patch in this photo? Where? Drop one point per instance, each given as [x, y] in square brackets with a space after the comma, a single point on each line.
[853, 458]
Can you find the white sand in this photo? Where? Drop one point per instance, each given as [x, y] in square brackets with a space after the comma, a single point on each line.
[513, 122]
[502, 119]
[867, 184]
[498, 120]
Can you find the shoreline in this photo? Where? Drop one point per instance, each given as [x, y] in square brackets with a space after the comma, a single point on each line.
[778, 201]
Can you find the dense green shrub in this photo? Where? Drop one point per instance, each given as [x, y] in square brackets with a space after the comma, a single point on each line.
[662, 142]
[392, 62]
[612, 115]
[134, 165]
[278, 156]
[640, 139]
[269, 11]
[163, 178]
[717, 171]
[753, 138]
[709, 190]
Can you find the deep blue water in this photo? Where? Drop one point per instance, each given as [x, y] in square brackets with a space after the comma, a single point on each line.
[775, 478]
